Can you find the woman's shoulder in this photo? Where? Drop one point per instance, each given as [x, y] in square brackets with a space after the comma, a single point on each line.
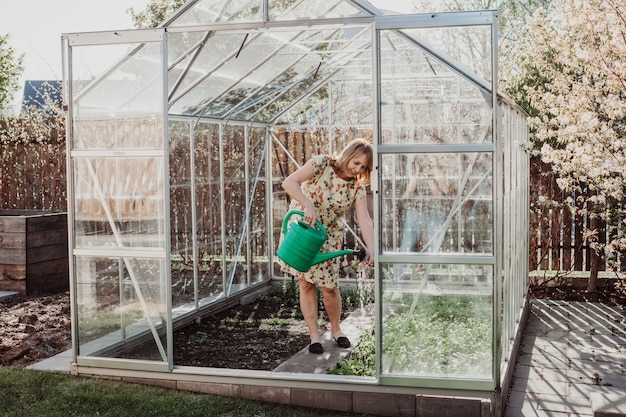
[320, 161]
[321, 157]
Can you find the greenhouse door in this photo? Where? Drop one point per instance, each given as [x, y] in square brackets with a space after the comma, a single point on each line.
[118, 206]
[436, 201]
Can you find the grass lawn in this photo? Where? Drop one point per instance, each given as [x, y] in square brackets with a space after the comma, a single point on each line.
[30, 393]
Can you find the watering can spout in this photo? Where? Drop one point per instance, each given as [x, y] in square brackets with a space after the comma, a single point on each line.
[321, 257]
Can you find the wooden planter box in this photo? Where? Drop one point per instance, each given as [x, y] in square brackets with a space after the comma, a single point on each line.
[33, 251]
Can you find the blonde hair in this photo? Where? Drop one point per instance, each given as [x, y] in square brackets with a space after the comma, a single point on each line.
[352, 150]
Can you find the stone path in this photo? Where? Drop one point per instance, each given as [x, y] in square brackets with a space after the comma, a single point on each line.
[572, 362]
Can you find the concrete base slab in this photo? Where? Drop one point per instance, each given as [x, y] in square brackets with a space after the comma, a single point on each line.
[6, 295]
[58, 363]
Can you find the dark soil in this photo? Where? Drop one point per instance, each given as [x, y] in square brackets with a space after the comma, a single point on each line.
[608, 295]
[259, 335]
[34, 328]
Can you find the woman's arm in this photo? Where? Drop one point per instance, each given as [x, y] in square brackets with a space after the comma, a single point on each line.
[367, 229]
[411, 188]
[293, 186]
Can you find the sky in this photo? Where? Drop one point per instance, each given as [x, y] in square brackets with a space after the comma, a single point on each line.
[35, 28]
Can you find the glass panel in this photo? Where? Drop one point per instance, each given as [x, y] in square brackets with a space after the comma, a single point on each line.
[437, 321]
[299, 9]
[209, 11]
[183, 49]
[437, 203]
[338, 84]
[235, 205]
[470, 45]
[210, 57]
[422, 101]
[181, 220]
[122, 108]
[118, 202]
[208, 212]
[132, 88]
[351, 100]
[120, 302]
[253, 76]
[259, 269]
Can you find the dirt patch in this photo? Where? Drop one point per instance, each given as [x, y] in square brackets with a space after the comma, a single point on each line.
[608, 295]
[34, 328]
[259, 335]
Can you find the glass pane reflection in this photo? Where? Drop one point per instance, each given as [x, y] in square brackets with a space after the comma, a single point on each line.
[437, 320]
[120, 300]
[437, 203]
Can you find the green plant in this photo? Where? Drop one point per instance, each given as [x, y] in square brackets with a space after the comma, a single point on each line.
[275, 321]
[444, 335]
[361, 361]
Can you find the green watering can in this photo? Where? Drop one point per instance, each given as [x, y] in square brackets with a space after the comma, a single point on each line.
[302, 243]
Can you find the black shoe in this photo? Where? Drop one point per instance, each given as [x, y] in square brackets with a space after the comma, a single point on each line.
[343, 342]
[316, 348]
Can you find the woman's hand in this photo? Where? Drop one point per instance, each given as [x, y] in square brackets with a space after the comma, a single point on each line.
[369, 258]
[310, 214]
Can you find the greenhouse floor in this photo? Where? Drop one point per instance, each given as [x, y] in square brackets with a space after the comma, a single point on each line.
[572, 361]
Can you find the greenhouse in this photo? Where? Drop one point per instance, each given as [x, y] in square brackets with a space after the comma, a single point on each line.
[179, 138]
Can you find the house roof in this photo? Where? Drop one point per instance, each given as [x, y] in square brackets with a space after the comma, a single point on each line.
[41, 93]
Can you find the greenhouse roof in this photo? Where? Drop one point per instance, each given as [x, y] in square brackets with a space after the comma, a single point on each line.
[239, 60]
[253, 75]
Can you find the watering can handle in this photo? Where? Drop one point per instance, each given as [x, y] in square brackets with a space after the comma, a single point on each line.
[301, 213]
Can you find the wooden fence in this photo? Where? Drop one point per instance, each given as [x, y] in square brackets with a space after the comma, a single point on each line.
[33, 177]
[558, 237]
[32, 172]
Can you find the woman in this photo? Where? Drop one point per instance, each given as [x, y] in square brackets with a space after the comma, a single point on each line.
[325, 188]
[425, 208]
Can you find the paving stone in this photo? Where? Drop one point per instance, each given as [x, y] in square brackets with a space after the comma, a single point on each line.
[280, 395]
[324, 399]
[564, 403]
[447, 407]
[384, 404]
[608, 405]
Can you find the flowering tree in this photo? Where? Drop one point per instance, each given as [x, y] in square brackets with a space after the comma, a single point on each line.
[572, 79]
[512, 16]
[10, 71]
[155, 13]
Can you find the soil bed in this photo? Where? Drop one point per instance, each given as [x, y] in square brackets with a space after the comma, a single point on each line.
[260, 335]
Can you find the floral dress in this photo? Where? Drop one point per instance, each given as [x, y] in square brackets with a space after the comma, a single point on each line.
[332, 197]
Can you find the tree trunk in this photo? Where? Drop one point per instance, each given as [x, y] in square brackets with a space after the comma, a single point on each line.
[592, 285]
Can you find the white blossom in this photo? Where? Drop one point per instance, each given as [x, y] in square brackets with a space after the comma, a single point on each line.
[574, 70]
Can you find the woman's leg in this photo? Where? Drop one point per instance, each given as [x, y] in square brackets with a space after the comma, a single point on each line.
[332, 304]
[410, 229]
[308, 305]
